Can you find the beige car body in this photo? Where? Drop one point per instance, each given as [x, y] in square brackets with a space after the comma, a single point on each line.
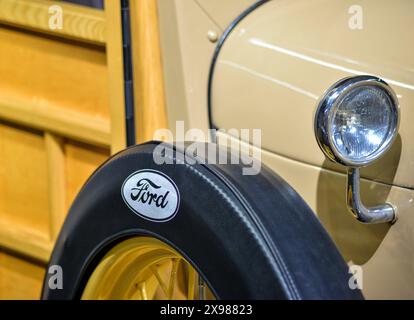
[270, 72]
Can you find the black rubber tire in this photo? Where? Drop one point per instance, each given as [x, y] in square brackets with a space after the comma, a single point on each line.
[251, 237]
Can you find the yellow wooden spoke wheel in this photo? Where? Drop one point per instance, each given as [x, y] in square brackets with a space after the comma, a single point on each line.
[145, 268]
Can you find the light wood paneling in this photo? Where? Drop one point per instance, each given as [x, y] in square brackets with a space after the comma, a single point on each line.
[150, 113]
[81, 161]
[61, 116]
[68, 123]
[25, 240]
[79, 23]
[56, 183]
[19, 279]
[55, 128]
[115, 75]
[42, 71]
[24, 196]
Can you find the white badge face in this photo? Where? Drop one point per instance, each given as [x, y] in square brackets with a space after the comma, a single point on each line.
[152, 195]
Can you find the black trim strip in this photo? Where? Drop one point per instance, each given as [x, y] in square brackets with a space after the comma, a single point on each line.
[128, 73]
[220, 44]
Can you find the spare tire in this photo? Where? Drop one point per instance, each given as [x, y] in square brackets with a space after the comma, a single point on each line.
[248, 236]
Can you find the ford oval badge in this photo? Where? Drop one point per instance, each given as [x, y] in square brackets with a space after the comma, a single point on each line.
[152, 195]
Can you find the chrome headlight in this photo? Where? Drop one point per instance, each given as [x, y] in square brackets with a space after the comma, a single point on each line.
[355, 123]
[357, 120]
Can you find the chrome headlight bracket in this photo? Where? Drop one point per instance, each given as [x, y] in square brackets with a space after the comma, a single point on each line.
[378, 214]
[374, 105]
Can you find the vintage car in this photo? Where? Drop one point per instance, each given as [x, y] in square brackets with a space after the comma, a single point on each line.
[267, 154]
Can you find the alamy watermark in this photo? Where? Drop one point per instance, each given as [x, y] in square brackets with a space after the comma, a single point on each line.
[234, 146]
[55, 17]
[356, 279]
[55, 274]
[356, 20]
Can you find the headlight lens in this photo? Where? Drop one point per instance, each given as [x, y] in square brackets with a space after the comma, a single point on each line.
[357, 120]
[362, 122]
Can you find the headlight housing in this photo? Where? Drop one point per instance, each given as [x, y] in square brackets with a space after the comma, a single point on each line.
[357, 120]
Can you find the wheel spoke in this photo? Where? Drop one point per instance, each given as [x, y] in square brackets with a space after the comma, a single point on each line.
[201, 288]
[141, 292]
[145, 268]
[160, 280]
[191, 285]
[173, 278]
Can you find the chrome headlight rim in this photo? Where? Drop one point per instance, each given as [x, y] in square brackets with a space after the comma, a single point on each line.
[326, 111]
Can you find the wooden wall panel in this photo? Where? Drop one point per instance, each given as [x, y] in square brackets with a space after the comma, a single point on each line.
[81, 161]
[79, 23]
[55, 129]
[115, 75]
[56, 183]
[41, 70]
[61, 116]
[150, 111]
[23, 178]
[19, 279]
